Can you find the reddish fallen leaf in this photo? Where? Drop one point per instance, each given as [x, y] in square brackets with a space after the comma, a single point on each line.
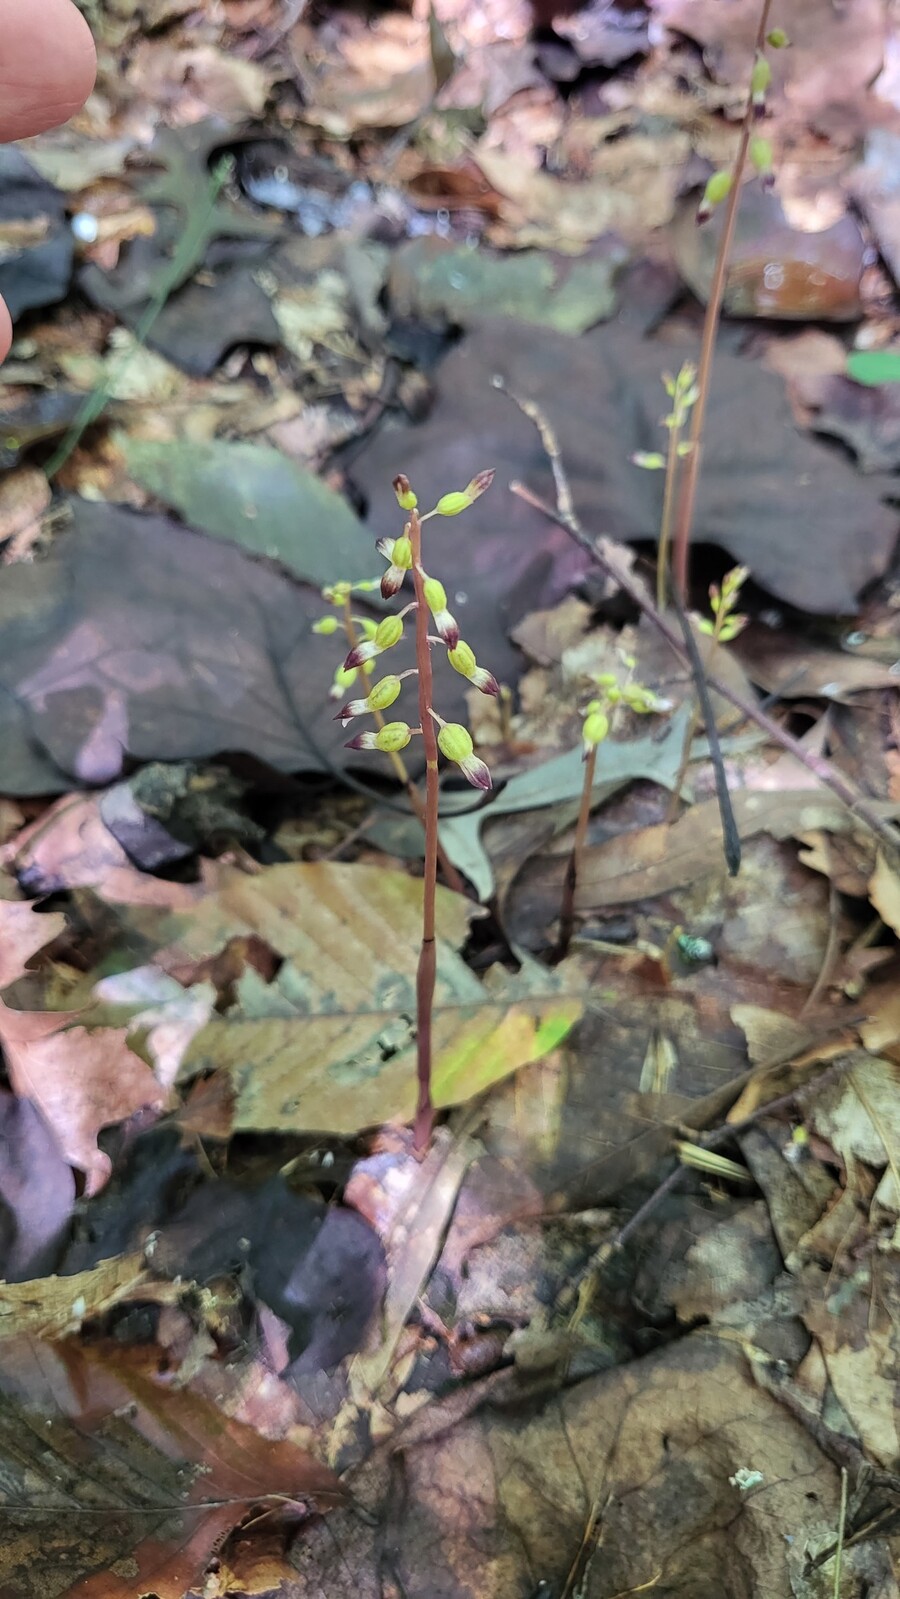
[80, 1080]
[71, 847]
[162, 1476]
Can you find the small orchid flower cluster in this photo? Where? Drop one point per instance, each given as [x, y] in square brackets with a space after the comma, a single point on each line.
[453, 740]
[599, 712]
[726, 622]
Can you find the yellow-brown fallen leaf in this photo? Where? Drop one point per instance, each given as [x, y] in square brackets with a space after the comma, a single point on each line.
[53, 1307]
[329, 1043]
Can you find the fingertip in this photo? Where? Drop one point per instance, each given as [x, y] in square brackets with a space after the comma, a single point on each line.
[47, 68]
[6, 331]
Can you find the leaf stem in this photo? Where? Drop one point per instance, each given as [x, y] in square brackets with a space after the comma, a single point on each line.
[690, 477]
[427, 970]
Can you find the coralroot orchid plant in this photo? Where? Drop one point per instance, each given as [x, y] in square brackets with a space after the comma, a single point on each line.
[614, 695]
[434, 626]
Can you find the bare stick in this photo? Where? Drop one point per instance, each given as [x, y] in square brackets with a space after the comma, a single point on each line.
[690, 477]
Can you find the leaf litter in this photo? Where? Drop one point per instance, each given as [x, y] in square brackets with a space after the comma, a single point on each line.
[626, 1325]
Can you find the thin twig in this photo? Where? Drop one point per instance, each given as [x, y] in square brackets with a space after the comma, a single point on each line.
[690, 477]
[842, 1527]
[821, 769]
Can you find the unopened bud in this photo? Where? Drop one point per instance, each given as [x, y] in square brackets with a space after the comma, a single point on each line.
[392, 737]
[406, 500]
[326, 625]
[718, 188]
[777, 38]
[760, 78]
[435, 594]
[383, 693]
[455, 741]
[389, 632]
[402, 554]
[452, 504]
[649, 460]
[761, 154]
[595, 729]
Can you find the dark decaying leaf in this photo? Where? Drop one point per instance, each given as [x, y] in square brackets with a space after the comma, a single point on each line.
[786, 506]
[626, 1481]
[319, 1268]
[137, 637]
[103, 1463]
[37, 1190]
[38, 273]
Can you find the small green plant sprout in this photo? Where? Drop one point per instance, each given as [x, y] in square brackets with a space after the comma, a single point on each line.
[599, 716]
[725, 623]
[435, 626]
[682, 391]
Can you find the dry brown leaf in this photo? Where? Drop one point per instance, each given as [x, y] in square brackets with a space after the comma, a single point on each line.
[835, 52]
[547, 211]
[328, 1043]
[71, 847]
[658, 859]
[884, 892]
[81, 1081]
[55, 1307]
[24, 497]
[23, 931]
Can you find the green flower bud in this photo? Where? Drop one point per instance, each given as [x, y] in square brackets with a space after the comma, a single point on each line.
[326, 625]
[760, 78]
[402, 553]
[435, 594]
[462, 659]
[595, 729]
[452, 504]
[389, 632]
[761, 154]
[718, 188]
[455, 741]
[777, 38]
[649, 460]
[392, 737]
[383, 693]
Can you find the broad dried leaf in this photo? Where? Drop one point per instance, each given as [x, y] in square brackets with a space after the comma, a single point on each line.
[54, 1307]
[328, 1044]
[138, 638]
[157, 1476]
[81, 1081]
[23, 931]
[834, 53]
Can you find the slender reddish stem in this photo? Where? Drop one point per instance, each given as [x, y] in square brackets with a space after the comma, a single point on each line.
[567, 907]
[690, 477]
[425, 977]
